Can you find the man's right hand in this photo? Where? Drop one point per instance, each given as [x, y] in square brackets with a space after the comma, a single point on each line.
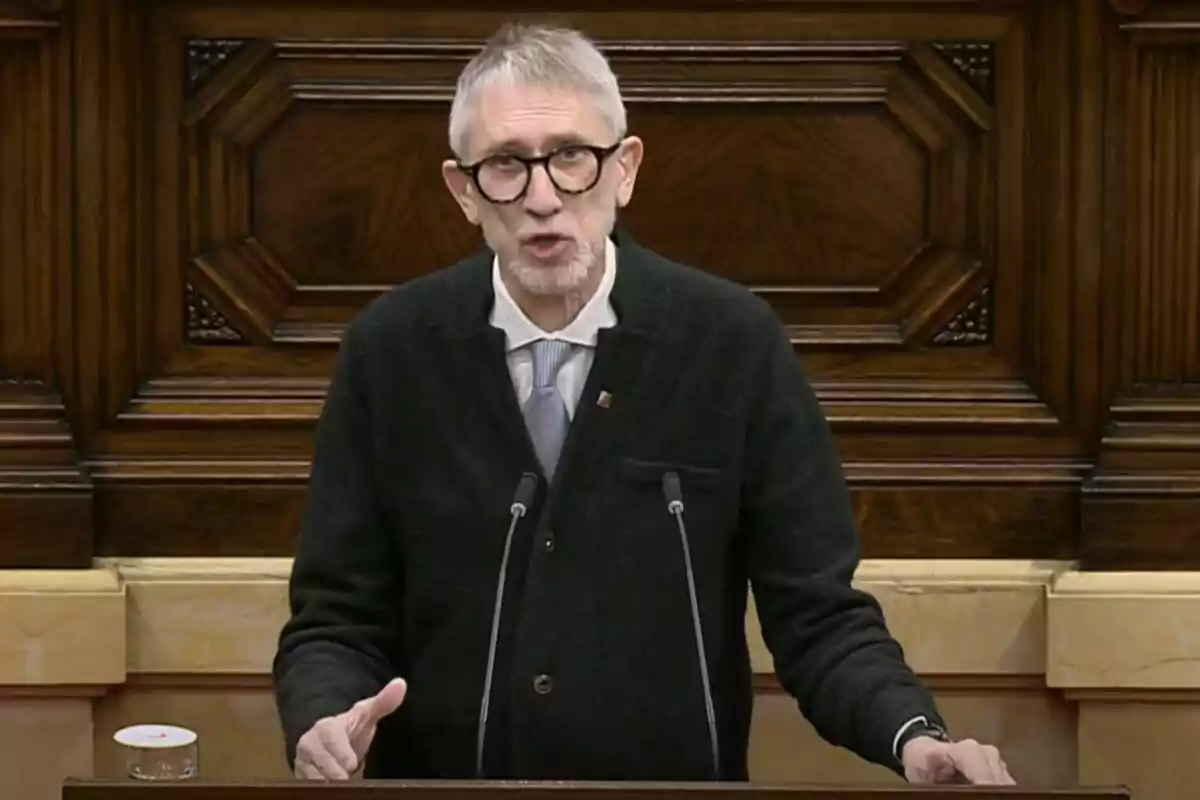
[334, 747]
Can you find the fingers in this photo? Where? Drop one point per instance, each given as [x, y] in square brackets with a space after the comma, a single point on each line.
[932, 765]
[942, 768]
[981, 764]
[337, 744]
[325, 753]
[333, 748]
[1000, 770]
[319, 766]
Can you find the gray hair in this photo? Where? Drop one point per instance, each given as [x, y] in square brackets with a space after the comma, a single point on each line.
[536, 55]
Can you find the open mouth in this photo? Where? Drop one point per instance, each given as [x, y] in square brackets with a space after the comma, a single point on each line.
[546, 245]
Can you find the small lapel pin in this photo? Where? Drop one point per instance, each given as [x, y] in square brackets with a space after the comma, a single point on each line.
[604, 400]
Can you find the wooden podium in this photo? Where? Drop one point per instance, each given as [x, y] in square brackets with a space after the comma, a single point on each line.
[473, 790]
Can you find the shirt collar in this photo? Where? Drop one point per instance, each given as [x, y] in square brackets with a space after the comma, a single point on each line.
[597, 313]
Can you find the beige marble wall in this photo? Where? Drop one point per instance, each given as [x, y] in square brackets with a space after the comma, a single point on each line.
[62, 644]
[1079, 678]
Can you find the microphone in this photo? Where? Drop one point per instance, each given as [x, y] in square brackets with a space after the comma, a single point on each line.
[674, 496]
[522, 500]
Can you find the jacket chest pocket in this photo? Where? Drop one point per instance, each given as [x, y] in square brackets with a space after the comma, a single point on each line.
[708, 495]
[692, 478]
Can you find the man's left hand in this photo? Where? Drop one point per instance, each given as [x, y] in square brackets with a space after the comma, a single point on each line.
[926, 760]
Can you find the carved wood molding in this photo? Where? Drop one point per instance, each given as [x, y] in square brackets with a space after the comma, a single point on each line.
[29, 20]
[1140, 504]
[45, 494]
[204, 56]
[241, 290]
[205, 323]
[975, 61]
[972, 325]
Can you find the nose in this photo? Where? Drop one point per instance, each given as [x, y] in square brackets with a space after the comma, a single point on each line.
[541, 197]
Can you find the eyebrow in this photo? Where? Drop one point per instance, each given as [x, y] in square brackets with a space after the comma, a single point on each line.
[516, 145]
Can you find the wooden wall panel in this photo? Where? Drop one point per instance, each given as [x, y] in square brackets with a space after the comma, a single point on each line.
[45, 493]
[1142, 504]
[968, 214]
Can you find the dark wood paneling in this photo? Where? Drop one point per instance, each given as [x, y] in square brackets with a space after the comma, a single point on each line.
[293, 169]
[979, 221]
[246, 515]
[45, 494]
[1141, 505]
[286, 245]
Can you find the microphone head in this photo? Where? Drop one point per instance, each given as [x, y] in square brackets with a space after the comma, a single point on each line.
[526, 488]
[671, 488]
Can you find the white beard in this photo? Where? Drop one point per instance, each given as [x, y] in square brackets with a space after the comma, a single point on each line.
[551, 281]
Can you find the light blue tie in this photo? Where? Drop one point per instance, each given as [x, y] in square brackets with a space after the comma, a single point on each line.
[545, 411]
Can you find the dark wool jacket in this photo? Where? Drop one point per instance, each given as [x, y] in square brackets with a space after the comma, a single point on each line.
[419, 449]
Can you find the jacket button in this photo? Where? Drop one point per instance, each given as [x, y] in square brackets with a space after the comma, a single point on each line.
[548, 543]
[543, 684]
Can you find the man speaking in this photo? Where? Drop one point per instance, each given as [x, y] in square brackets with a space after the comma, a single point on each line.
[545, 478]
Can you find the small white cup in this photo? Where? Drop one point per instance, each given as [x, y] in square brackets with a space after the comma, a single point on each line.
[159, 752]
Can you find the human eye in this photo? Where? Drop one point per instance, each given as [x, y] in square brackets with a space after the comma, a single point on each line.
[505, 162]
[572, 152]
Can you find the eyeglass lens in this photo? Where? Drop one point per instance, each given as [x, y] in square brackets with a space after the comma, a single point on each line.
[505, 177]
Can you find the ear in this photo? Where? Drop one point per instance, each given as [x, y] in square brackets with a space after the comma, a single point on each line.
[460, 187]
[628, 162]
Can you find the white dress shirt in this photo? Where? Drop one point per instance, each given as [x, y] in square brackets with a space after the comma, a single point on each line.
[520, 331]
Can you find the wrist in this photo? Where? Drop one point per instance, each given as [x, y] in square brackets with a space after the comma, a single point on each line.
[920, 728]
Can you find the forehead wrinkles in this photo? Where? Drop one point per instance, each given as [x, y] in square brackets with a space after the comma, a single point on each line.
[533, 117]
